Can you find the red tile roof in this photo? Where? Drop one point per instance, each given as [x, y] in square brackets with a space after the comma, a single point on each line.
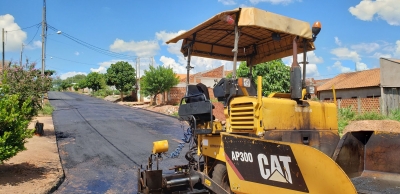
[321, 82]
[359, 79]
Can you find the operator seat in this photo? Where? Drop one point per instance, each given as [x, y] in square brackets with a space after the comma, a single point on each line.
[198, 104]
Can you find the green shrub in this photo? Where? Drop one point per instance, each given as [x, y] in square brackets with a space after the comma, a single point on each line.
[345, 115]
[395, 114]
[370, 116]
[13, 125]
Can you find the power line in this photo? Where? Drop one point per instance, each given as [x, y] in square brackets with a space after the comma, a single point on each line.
[73, 61]
[92, 47]
[34, 35]
[37, 25]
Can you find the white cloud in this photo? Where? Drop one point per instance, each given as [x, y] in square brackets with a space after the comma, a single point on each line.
[165, 36]
[199, 64]
[170, 62]
[71, 74]
[311, 58]
[346, 54]
[384, 9]
[361, 66]
[106, 64]
[77, 53]
[284, 2]
[34, 45]
[13, 39]
[227, 2]
[381, 55]
[398, 48]
[174, 48]
[342, 69]
[366, 47]
[143, 48]
[337, 41]
[311, 68]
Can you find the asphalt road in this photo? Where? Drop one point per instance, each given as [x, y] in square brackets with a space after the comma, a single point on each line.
[101, 144]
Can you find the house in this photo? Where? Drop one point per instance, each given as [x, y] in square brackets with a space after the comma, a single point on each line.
[360, 84]
[381, 84]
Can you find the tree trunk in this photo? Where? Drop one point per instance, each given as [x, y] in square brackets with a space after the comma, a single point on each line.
[154, 100]
[134, 96]
[122, 95]
[163, 98]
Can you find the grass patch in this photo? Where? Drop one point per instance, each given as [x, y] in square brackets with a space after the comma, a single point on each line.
[345, 115]
[47, 109]
[175, 114]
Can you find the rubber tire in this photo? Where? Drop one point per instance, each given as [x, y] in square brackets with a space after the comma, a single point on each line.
[220, 176]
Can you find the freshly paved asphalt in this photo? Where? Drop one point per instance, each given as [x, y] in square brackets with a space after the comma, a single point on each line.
[101, 144]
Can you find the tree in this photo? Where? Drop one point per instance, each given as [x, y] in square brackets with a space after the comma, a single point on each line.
[64, 85]
[95, 81]
[157, 80]
[28, 84]
[81, 84]
[56, 83]
[121, 75]
[275, 75]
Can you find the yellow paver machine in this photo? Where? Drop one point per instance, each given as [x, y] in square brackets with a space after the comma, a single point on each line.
[283, 143]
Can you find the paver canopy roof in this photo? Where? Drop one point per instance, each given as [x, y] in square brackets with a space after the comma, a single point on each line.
[264, 36]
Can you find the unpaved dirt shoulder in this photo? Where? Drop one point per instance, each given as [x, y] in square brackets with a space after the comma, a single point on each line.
[37, 169]
[373, 125]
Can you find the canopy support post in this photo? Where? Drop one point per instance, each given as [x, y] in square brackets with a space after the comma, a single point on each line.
[236, 45]
[304, 62]
[188, 67]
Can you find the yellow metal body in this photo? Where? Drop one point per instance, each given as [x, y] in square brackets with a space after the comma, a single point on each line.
[321, 174]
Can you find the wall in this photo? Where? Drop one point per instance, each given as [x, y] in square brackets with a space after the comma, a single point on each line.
[390, 99]
[175, 95]
[360, 105]
[351, 93]
[389, 73]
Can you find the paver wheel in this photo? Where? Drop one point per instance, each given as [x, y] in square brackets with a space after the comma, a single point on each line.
[220, 176]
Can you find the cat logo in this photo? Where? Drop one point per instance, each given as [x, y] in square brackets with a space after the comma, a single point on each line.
[273, 170]
[263, 162]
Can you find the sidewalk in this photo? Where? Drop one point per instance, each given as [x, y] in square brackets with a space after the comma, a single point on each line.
[37, 169]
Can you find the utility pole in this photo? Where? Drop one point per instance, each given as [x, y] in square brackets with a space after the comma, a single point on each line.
[138, 80]
[20, 59]
[3, 49]
[44, 27]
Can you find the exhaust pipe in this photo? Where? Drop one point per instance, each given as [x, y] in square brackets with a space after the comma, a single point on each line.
[295, 75]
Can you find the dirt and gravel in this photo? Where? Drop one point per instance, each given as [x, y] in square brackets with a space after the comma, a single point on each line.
[373, 125]
[37, 169]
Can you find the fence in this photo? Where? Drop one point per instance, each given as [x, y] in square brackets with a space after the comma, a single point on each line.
[360, 105]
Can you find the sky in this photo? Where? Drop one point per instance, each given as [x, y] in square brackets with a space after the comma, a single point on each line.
[97, 33]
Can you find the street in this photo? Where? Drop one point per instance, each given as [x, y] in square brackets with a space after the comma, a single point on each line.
[102, 144]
